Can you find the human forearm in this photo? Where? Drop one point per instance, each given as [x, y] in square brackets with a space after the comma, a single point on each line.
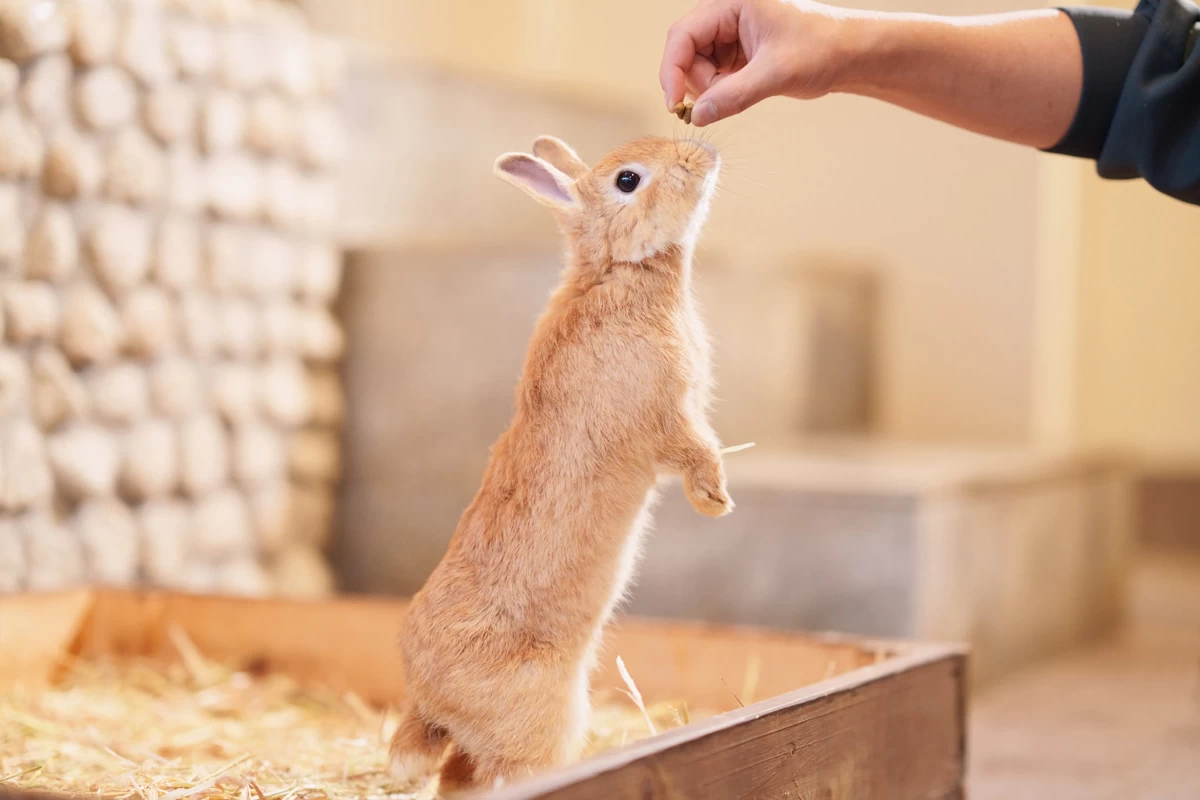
[1017, 76]
[1014, 76]
[1119, 87]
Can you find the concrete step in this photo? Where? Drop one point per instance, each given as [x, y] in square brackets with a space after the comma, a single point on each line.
[1018, 553]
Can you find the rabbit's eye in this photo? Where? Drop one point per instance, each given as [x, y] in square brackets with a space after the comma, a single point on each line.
[628, 180]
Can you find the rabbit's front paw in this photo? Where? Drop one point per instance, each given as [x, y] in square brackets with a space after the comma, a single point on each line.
[707, 494]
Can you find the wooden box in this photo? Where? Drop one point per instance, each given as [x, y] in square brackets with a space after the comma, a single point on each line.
[844, 719]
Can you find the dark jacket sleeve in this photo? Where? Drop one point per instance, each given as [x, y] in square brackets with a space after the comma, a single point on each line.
[1139, 113]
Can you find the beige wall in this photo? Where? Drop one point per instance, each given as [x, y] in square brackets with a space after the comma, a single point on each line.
[1138, 381]
[950, 219]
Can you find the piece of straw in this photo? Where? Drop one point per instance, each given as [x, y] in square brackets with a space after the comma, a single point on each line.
[195, 663]
[635, 694]
[360, 707]
[19, 774]
[733, 694]
[750, 683]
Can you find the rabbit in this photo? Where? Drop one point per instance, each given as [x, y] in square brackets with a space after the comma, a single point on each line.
[498, 645]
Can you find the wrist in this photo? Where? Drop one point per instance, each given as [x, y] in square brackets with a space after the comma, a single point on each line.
[862, 43]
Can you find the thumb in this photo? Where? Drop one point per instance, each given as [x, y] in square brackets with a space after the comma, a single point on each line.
[733, 93]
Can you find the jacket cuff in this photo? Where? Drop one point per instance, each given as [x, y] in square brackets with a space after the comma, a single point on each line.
[1109, 40]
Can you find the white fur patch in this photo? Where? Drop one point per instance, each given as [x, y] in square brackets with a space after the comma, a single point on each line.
[631, 552]
[692, 234]
[648, 248]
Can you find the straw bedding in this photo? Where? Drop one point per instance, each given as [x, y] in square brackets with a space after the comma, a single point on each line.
[201, 730]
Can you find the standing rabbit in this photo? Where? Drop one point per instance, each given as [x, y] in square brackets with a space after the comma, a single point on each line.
[499, 643]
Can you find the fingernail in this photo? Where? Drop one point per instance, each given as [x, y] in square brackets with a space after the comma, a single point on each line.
[704, 113]
[667, 100]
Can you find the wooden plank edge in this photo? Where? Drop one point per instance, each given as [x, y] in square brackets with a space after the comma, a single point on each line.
[46, 627]
[17, 793]
[1087, 465]
[891, 647]
[159, 605]
[627, 757]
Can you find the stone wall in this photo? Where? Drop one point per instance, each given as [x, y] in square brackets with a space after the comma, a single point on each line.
[169, 396]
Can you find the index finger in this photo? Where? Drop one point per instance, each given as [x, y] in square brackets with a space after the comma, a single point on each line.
[690, 34]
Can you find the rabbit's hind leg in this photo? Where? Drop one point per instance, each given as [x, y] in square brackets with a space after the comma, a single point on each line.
[417, 748]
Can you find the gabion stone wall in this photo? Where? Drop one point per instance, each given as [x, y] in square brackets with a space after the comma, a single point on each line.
[169, 401]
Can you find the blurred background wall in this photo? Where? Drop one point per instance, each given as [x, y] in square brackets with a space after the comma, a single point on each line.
[1139, 289]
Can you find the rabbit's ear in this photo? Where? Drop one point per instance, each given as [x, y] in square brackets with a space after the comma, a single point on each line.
[560, 154]
[542, 181]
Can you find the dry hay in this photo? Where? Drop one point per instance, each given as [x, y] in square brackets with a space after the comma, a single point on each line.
[201, 730]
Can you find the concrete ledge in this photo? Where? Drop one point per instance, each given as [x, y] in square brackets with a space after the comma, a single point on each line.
[1018, 554]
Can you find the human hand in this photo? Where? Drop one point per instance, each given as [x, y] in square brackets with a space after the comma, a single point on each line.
[731, 54]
